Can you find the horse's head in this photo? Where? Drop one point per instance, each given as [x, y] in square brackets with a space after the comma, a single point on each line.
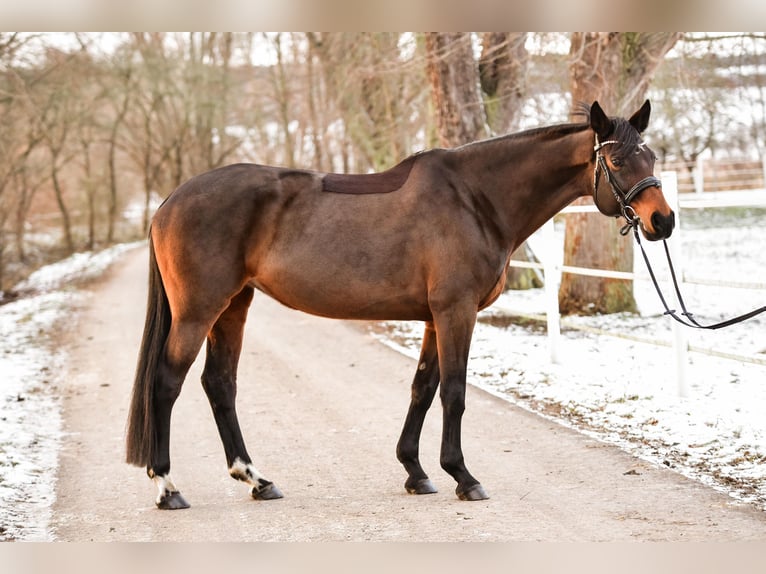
[624, 182]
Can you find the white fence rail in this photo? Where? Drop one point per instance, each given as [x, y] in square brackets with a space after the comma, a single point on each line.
[553, 271]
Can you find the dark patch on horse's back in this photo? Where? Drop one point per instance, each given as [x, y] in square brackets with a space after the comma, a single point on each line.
[369, 183]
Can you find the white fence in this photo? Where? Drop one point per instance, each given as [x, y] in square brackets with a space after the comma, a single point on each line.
[553, 270]
[711, 175]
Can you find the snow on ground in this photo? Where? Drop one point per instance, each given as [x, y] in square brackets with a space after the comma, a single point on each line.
[30, 408]
[625, 392]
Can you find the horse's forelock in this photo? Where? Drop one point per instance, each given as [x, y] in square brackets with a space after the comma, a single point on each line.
[627, 136]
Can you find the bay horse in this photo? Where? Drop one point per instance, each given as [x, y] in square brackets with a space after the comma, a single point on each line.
[427, 240]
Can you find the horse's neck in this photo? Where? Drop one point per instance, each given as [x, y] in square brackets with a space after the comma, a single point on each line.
[530, 178]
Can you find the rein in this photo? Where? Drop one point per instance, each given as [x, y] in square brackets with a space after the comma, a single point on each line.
[623, 199]
[688, 318]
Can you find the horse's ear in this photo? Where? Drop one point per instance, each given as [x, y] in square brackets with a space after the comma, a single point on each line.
[599, 121]
[640, 119]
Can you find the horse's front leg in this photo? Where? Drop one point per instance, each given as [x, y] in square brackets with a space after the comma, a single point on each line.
[454, 329]
[423, 390]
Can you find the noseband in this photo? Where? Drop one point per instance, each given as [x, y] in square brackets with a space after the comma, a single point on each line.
[623, 197]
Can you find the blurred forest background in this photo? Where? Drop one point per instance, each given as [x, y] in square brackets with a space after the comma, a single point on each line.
[96, 129]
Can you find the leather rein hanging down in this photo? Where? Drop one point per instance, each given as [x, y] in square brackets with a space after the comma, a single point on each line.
[689, 320]
[632, 221]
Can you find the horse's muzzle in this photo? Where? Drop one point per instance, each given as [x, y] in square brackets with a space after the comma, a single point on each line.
[661, 226]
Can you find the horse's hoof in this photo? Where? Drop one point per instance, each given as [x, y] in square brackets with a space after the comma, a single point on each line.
[266, 492]
[172, 501]
[422, 486]
[476, 492]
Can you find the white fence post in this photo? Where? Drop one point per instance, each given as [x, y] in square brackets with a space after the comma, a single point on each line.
[552, 275]
[680, 342]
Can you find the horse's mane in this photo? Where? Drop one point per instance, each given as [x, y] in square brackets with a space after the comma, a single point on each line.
[581, 108]
[544, 132]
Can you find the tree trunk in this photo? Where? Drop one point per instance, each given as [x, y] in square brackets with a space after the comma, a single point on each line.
[22, 206]
[614, 68]
[520, 278]
[314, 96]
[90, 187]
[503, 74]
[66, 223]
[25, 191]
[452, 73]
[282, 91]
[112, 167]
[2, 259]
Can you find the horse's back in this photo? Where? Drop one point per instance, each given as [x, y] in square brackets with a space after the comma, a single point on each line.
[346, 255]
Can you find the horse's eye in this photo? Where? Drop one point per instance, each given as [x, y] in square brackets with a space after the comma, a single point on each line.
[617, 162]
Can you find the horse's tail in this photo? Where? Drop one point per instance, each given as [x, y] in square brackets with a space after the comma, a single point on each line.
[140, 436]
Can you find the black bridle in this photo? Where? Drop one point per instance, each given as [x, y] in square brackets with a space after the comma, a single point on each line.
[623, 197]
[632, 220]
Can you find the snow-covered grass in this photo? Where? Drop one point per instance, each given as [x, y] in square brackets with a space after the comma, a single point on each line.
[30, 418]
[625, 392]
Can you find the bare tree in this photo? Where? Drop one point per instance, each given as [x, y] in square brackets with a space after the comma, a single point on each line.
[145, 142]
[702, 94]
[59, 101]
[118, 95]
[375, 90]
[207, 93]
[18, 138]
[182, 105]
[614, 68]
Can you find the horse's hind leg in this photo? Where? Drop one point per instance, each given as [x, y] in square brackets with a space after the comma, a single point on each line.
[423, 390]
[219, 379]
[183, 344]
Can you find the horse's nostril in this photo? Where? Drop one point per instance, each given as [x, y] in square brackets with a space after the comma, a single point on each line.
[663, 224]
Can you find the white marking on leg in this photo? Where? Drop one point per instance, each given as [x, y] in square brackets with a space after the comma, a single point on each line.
[247, 473]
[165, 486]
